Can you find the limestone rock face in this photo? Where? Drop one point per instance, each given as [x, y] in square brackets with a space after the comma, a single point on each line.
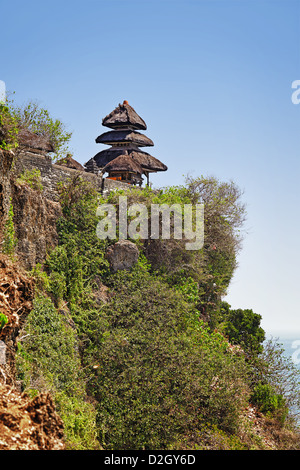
[122, 255]
[35, 220]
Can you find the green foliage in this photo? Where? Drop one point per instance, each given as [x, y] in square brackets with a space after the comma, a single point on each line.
[9, 238]
[32, 178]
[158, 377]
[38, 120]
[79, 258]
[3, 320]
[211, 267]
[79, 421]
[51, 342]
[243, 328]
[269, 402]
[276, 370]
[41, 278]
[8, 128]
[48, 360]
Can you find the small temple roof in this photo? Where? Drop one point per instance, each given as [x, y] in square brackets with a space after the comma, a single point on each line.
[124, 116]
[69, 162]
[91, 166]
[124, 136]
[27, 138]
[124, 163]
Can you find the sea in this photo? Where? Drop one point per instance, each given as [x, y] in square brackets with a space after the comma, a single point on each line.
[290, 344]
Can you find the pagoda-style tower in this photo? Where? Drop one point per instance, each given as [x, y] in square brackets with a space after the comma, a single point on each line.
[124, 160]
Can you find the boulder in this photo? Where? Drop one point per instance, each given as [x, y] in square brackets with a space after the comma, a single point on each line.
[122, 255]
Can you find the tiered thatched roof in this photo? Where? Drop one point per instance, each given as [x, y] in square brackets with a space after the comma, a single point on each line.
[147, 161]
[125, 142]
[124, 136]
[124, 163]
[124, 116]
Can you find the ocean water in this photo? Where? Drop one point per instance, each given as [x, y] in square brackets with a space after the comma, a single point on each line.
[290, 343]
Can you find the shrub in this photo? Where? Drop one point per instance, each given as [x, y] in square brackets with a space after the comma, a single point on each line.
[32, 178]
[275, 368]
[211, 267]
[80, 256]
[269, 402]
[40, 277]
[3, 320]
[38, 120]
[48, 360]
[242, 326]
[8, 129]
[160, 375]
[79, 420]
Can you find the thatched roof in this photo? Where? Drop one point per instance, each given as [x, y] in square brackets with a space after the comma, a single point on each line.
[124, 136]
[91, 166]
[29, 139]
[145, 160]
[123, 163]
[124, 116]
[105, 156]
[69, 162]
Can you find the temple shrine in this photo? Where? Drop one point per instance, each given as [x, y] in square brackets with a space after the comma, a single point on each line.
[124, 160]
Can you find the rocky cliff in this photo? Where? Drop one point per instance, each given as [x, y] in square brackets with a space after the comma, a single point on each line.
[35, 224]
[28, 423]
[25, 423]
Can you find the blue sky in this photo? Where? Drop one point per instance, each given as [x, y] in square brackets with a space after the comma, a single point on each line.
[211, 78]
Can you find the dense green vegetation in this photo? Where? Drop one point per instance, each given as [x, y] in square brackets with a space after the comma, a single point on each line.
[150, 358]
[32, 178]
[8, 128]
[35, 118]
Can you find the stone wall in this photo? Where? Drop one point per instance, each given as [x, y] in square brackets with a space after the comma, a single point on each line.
[52, 174]
[35, 220]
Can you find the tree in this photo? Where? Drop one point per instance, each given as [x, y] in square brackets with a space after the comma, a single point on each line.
[274, 369]
[39, 121]
[225, 213]
[242, 326]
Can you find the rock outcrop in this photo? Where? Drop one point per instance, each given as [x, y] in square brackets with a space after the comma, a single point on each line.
[122, 255]
[29, 424]
[16, 297]
[35, 220]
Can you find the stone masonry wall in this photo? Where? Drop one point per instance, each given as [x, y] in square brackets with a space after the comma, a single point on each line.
[51, 174]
